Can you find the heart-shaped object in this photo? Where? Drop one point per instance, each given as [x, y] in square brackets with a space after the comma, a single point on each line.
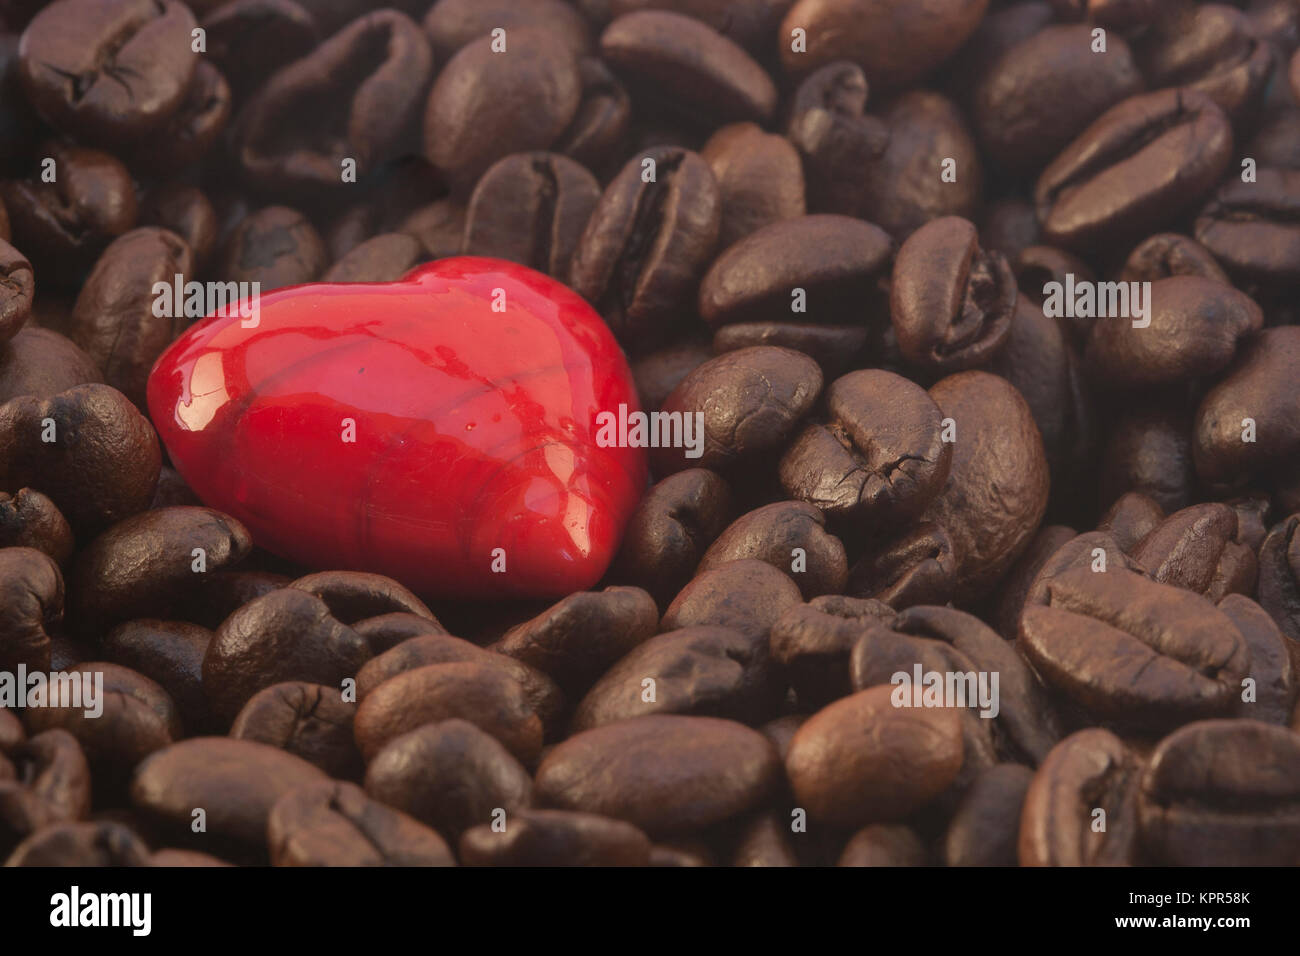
[440, 429]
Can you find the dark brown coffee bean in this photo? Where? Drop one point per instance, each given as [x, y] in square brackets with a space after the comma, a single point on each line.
[647, 243]
[224, 593]
[1015, 586]
[576, 640]
[11, 733]
[451, 776]
[1099, 551]
[1279, 578]
[951, 302]
[193, 129]
[862, 760]
[475, 691]
[811, 644]
[487, 104]
[1168, 254]
[789, 535]
[336, 824]
[28, 519]
[275, 246]
[884, 844]
[381, 258]
[819, 269]
[1131, 518]
[353, 596]
[186, 858]
[307, 720]
[286, 635]
[81, 844]
[671, 529]
[601, 123]
[1081, 807]
[916, 567]
[1135, 169]
[759, 176]
[17, 283]
[51, 785]
[1223, 792]
[235, 783]
[1196, 549]
[355, 97]
[386, 631]
[186, 211]
[746, 595]
[749, 402]
[556, 838]
[146, 565]
[108, 71]
[32, 591]
[116, 318]
[1272, 670]
[531, 208]
[1150, 451]
[764, 841]
[678, 59]
[658, 373]
[171, 653]
[996, 491]
[439, 226]
[43, 363]
[748, 22]
[664, 773]
[985, 829]
[251, 39]
[1133, 651]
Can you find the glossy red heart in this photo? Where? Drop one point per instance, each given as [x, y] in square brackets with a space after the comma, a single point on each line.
[474, 429]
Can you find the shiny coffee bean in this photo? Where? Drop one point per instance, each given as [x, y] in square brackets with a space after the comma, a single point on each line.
[170, 653]
[789, 535]
[28, 519]
[915, 567]
[747, 595]
[353, 596]
[33, 604]
[1196, 549]
[386, 631]
[759, 176]
[307, 720]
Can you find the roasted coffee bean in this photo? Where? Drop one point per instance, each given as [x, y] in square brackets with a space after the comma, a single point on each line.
[146, 565]
[1015, 586]
[683, 64]
[1135, 169]
[450, 775]
[996, 492]
[187, 212]
[1043, 91]
[450, 24]
[353, 596]
[1191, 328]
[32, 588]
[604, 114]
[17, 283]
[789, 535]
[110, 71]
[951, 302]
[748, 22]
[820, 269]
[1087, 772]
[675, 523]
[1132, 651]
[381, 258]
[1167, 254]
[836, 348]
[648, 242]
[759, 176]
[879, 460]
[1271, 666]
[1196, 549]
[1246, 425]
[43, 363]
[186, 858]
[893, 45]
[224, 593]
[286, 635]
[742, 406]
[475, 691]
[884, 844]
[663, 773]
[746, 595]
[1131, 518]
[51, 785]
[251, 39]
[235, 782]
[28, 519]
[1151, 451]
[764, 841]
[811, 644]
[63, 224]
[193, 129]
[1279, 578]
[485, 105]
[658, 373]
[360, 92]
[1223, 793]
[116, 318]
[171, 653]
[81, 844]
[577, 639]
[985, 828]
[386, 631]
[531, 208]
[556, 838]
[916, 567]
[275, 246]
[862, 760]
[1099, 551]
[307, 720]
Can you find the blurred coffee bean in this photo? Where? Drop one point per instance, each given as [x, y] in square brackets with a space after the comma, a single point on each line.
[601, 122]
[451, 24]
[556, 838]
[17, 284]
[249, 40]
[1150, 451]
[1009, 226]
[275, 246]
[43, 363]
[1279, 579]
[985, 829]
[170, 653]
[884, 844]
[439, 226]
[307, 720]
[193, 129]
[32, 587]
[28, 519]
[1131, 518]
[186, 211]
[83, 845]
[382, 258]
[759, 176]
[747, 595]
[1168, 254]
[1273, 693]
[51, 785]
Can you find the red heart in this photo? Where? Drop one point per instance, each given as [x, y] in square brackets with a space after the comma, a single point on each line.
[474, 428]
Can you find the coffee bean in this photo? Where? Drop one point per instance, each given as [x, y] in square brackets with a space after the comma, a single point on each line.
[336, 824]
[862, 760]
[790, 536]
[185, 211]
[250, 39]
[916, 567]
[1279, 577]
[51, 785]
[382, 258]
[33, 604]
[556, 838]
[884, 844]
[386, 631]
[28, 519]
[353, 596]
[1081, 807]
[1271, 666]
[663, 773]
[222, 594]
[17, 283]
[171, 653]
[1195, 549]
[43, 363]
[811, 643]
[1015, 586]
[531, 208]
[1168, 254]
[275, 246]
[1136, 168]
[764, 841]
[108, 71]
[658, 373]
[759, 176]
[449, 775]
[1151, 451]
[307, 720]
[985, 829]
[747, 595]
[193, 129]
[186, 858]
[1223, 791]
[81, 844]
[451, 24]
[1131, 518]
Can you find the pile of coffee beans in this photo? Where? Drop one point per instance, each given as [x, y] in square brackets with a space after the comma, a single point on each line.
[989, 312]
